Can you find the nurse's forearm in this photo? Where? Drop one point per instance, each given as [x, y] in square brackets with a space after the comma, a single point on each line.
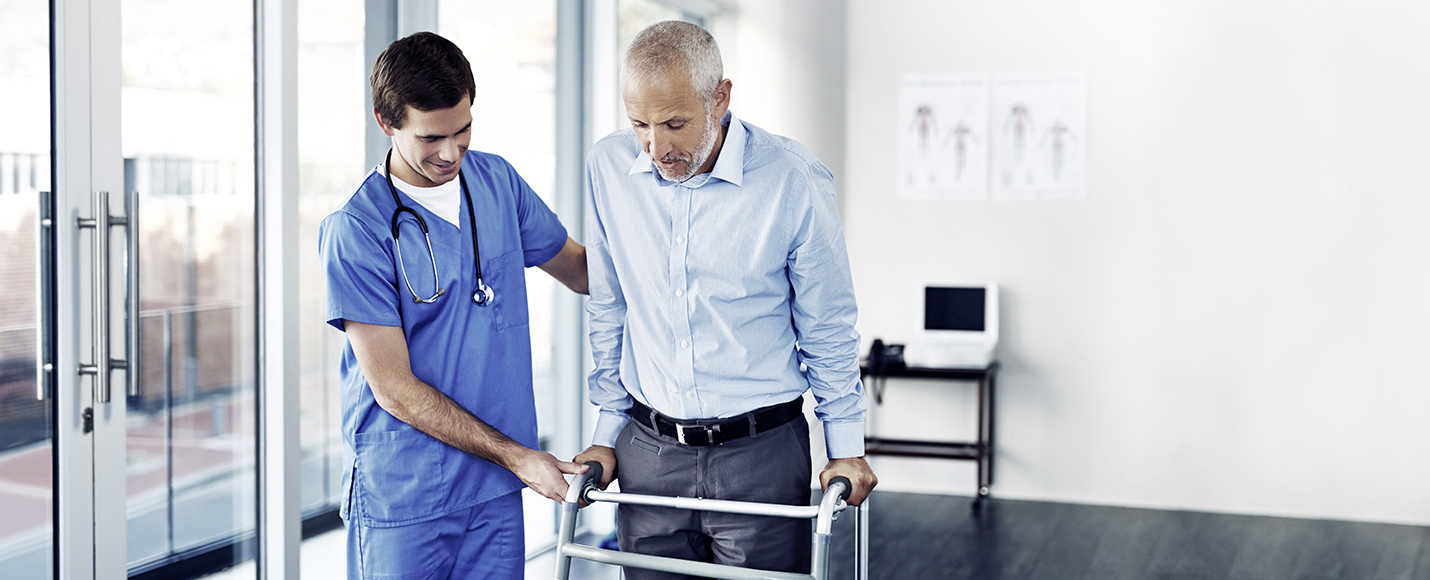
[382, 354]
[427, 409]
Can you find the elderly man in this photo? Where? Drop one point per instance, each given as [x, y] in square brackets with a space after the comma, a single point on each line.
[720, 293]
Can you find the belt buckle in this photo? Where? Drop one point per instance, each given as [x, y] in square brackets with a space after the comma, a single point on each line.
[710, 432]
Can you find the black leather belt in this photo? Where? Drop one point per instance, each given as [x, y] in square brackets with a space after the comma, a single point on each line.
[703, 433]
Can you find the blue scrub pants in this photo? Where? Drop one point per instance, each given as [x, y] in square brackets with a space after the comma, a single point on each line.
[484, 541]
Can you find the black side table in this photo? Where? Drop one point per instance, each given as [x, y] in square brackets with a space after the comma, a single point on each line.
[980, 451]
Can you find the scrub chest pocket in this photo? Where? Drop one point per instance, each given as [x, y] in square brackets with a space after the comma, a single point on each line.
[506, 275]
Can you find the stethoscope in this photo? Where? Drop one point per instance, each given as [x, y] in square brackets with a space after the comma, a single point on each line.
[483, 294]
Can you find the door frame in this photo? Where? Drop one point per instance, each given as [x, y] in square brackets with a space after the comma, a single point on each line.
[87, 159]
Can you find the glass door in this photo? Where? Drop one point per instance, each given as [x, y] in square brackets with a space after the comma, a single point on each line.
[26, 407]
[133, 453]
[187, 125]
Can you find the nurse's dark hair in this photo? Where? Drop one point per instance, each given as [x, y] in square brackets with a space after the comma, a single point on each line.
[423, 70]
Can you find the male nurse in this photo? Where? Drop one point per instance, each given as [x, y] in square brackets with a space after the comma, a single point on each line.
[425, 269]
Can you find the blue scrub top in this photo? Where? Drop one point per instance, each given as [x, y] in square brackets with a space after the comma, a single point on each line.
[479, 356]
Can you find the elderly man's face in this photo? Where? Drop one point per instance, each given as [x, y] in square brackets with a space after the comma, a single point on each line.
[673, 125]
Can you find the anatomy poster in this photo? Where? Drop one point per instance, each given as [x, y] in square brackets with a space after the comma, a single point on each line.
[943, 136]
[1039, 136]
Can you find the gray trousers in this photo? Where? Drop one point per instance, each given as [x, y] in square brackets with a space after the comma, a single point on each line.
[769, 467]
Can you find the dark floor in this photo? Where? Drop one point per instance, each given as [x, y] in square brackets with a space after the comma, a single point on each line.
[916, 536]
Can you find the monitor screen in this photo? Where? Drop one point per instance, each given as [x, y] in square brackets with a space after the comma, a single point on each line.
[954, 308]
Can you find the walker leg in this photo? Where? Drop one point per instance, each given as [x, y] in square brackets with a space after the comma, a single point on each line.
[861, 541]
[566, 535]
[819, 568]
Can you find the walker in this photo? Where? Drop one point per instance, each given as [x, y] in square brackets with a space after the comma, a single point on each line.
[583, 488]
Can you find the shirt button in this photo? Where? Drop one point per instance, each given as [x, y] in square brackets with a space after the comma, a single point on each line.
[684, 344]
[679, 292]
[690, 394]
[679, 239]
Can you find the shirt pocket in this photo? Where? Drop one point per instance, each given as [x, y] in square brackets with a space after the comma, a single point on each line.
[506, 275]
[400, 478]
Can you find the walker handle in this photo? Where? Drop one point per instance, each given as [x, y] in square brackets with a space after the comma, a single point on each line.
[595, 472]
[848, 487]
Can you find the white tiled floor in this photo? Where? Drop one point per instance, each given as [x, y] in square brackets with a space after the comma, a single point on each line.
[324, 558]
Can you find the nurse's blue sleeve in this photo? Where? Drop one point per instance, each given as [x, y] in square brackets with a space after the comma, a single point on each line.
[542, 235]
[362, 284]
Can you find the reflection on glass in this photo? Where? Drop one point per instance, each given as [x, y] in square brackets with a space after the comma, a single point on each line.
[188, 150]
[512, 49]
[332, 112]
[26, 484]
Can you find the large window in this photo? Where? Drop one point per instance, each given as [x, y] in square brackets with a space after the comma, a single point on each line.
[333, 111]
[26, 484]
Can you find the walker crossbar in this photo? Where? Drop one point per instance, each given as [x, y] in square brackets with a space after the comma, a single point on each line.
[710, 505]
[583, 489]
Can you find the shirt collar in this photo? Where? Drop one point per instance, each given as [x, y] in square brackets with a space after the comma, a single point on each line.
[729, 166]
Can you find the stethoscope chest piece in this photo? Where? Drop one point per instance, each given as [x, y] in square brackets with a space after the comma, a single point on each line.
[484, 295]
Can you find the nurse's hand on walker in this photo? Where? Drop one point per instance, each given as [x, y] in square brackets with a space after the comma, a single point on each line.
[382, 354]
[542, 472]
[603, 455]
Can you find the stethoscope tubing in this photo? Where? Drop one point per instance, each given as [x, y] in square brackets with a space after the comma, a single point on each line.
[484, 294]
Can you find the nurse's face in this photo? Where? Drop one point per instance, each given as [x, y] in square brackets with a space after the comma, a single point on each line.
[428, 149]
[678, 129]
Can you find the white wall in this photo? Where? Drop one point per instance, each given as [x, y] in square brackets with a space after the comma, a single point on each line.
[786, 61]
[1236, 319]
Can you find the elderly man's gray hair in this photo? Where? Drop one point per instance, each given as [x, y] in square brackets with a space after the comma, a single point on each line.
[674, 45]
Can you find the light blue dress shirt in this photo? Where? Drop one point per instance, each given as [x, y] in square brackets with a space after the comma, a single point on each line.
[708, 296]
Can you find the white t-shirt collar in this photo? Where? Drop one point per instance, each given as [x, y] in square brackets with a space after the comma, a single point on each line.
[445, 201]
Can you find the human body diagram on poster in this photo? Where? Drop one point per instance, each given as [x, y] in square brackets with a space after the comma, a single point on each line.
[943, 146]
[1039, 149]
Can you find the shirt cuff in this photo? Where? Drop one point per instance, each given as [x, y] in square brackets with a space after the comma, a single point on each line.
[844, 439]
[609, 426]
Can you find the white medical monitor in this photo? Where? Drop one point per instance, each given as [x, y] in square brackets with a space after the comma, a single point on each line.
[960, 326]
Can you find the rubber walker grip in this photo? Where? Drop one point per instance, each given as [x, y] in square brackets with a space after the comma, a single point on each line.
[595, 471]
[848, 487]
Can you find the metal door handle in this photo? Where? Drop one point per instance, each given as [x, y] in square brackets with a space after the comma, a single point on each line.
[130, 223]
[99, 314]
[45, 311]
[103, 364]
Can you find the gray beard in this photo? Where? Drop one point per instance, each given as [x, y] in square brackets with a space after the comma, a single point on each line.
[703, 149]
